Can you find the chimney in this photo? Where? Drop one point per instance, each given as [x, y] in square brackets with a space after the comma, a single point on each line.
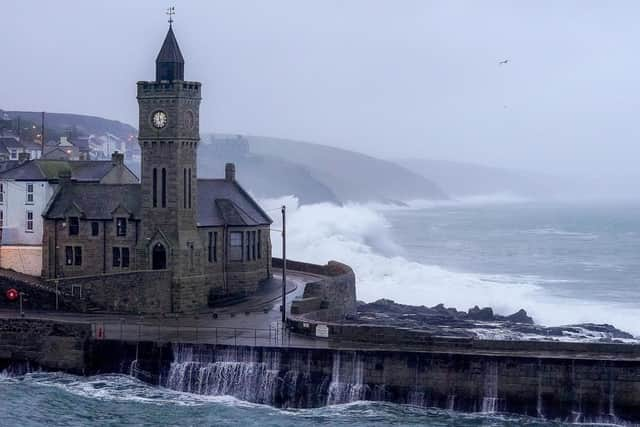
[117, 158]
[230, 172]
[23, 157]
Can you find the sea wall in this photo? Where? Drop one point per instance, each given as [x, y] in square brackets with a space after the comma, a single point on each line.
[594, 384]
[331, 298]
[575, 390]
[46, 344]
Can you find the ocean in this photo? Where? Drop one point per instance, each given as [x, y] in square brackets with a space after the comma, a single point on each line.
[562, 262]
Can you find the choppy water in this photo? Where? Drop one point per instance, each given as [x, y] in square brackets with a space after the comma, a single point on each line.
[45, 399]
[563, 263]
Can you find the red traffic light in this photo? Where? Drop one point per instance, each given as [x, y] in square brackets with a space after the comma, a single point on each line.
[11, 294]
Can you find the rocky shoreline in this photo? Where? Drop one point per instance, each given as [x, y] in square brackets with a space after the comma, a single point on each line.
[483, 323]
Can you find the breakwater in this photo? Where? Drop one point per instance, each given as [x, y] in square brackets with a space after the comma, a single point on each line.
[583, 387]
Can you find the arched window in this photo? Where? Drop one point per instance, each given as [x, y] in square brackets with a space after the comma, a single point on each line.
[164, 188]
[158, 257]
[155, 187]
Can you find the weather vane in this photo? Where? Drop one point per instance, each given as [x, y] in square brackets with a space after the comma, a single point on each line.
[171, 11]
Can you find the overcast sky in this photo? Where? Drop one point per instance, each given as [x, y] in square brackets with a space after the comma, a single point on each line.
[393, 78]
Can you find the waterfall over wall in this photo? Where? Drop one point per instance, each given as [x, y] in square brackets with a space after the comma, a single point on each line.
[560, 389]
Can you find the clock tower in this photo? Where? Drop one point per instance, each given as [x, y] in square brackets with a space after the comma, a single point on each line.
[168, 138]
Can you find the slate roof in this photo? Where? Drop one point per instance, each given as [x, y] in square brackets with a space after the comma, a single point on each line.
[94, 200]
[48, 169]
[222, 202]
[170, 51]
[10, 141]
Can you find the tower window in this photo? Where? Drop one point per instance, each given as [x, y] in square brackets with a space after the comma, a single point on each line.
[164, 188]
[184, 188]
[190, 179]
[155, 187]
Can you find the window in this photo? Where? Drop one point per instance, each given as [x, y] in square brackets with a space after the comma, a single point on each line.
[259, 244]
[74, 226]
[184, 188]
[248, 246]
[190, 188]
[125, 257]
[213, 246]
[155, 187]
[116, 257]
[253, 244]
[73, 255]
[29, 192]
[1, 192]
[210, 247]
[121, 226]
[95, 228]
[13, 153]
[120, 257]
[76, 290]
[1, 218]
[77, 255]
[164, 188]
[235, 245]
[29, 224]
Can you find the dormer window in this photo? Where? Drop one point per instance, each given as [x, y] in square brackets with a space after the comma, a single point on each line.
[74, 226]
[121, 226]
[29, 193]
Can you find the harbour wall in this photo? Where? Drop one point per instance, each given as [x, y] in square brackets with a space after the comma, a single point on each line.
[578, 384]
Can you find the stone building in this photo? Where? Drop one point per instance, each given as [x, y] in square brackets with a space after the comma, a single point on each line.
[209, 235]
[26, 189]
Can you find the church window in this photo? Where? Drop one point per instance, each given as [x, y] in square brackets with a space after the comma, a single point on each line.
[29, 224]
[259, 243]
[190, 179]
[164, 188]
[235, 245]
[29, 192]
[74, 226]
[253, 244]
[121, 226]
[155, 188]
[248, 246]
[95, 228]
[184, 188]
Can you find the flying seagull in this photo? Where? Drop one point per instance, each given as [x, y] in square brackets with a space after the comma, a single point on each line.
[506, 61]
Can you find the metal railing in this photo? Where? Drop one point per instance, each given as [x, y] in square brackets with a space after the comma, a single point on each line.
[273, 336]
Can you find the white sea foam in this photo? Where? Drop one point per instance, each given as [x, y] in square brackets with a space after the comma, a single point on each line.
[361, 237]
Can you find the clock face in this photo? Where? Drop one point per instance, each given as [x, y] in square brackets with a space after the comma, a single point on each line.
[159, 119]
[188, 119]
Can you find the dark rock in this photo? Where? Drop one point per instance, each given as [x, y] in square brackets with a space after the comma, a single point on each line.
[520, 317]
[484, 314]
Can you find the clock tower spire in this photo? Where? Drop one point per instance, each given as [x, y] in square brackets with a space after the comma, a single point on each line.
[168, 137]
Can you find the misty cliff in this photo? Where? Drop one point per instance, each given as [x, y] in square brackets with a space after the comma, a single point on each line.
[350, 175]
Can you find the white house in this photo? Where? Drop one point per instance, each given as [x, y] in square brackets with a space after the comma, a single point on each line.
[25, 192]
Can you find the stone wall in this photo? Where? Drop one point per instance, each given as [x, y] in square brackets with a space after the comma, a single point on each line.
[51, 345]
[332, 297]
[134, 292]
[24, 259]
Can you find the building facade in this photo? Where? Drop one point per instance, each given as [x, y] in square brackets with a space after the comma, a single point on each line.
[209, 235]
[25, 192]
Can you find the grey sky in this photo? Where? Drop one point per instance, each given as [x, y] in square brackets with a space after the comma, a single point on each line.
[394, 78]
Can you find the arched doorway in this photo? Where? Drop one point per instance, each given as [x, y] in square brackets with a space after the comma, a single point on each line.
[159, 257]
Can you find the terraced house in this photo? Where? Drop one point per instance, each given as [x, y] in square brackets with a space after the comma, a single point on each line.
[172, 242]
